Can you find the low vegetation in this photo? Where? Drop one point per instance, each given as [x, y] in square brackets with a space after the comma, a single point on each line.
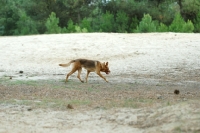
[21, 17]
[58, 94]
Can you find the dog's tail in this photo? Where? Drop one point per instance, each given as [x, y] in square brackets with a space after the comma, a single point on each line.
[68, 64]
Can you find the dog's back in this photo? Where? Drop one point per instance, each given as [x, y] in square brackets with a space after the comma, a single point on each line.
[87, 63]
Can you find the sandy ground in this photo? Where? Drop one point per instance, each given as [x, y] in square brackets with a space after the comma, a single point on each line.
[170, 55]
[148, 59]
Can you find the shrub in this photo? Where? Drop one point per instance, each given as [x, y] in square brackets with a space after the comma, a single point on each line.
[188, 27]
[79, 30]
[25, 25]
[197, 23]
[64, 30]
[70, 26]
[162, 28]
[107, 22]
[146, 25]
[179, 25]
[121, 22]
[52, 24]
[85, 23]
[134, 24]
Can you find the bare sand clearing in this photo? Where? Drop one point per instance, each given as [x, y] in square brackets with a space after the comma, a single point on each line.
[171, 58]
[166, 54]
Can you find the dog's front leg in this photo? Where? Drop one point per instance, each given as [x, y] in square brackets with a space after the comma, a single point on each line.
[102, 76]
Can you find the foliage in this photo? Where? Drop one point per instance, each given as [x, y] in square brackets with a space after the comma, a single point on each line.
[2, 30]
[121, 22]
[79, 30]
[146, 25]
[197, 23]
[188, 27]
[133, 24]
[163, 28]
[23, 17]
[107, 22]
[71, 26]
[179, 25]
[52, 24]
[190, 9]
[25, 25]
[8, 17]
[86, 24]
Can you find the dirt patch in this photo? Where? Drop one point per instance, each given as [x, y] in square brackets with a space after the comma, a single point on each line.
[94, 95]
[41, 106]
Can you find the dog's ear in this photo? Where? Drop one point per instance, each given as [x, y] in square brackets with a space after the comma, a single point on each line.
[106, 63]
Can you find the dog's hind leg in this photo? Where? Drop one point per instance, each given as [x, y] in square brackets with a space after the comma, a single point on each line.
[88, 72]
[70, 73]
[79, 74]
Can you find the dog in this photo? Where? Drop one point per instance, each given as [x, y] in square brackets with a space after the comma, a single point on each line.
[89, 65]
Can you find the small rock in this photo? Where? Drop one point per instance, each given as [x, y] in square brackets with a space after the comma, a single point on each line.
[69, 106]
[29, 109]
[21, 72]
[176, 92]
[159, 96]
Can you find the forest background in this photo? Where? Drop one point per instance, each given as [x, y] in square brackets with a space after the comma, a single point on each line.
[25, 17]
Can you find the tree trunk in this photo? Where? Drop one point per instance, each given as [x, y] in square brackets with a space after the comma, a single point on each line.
[180, 5]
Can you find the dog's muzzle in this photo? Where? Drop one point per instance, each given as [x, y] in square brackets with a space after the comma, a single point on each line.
[107, 72]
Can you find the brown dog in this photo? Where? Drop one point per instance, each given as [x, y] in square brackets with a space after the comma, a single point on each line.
[89, 65]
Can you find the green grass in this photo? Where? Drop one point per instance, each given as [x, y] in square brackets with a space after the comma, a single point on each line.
[58, 94]
[24, 82]
[178, 130]
[79, 102]
[135, 103]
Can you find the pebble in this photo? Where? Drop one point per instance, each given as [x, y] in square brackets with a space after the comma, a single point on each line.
[159, 96]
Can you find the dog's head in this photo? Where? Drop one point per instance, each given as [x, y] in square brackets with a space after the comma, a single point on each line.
[105, 68]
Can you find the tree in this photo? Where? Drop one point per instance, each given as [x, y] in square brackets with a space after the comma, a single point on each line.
[70, 26]
[23, 16]
[146, 25]
[188, 27]
[163, 28]
[179, 25]
[121, 22]
[8, 17]
[190, 9]
[134, 24]
[85, 23]
[25, 25]
[197, 23]
[52, 24]
[107, 22]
